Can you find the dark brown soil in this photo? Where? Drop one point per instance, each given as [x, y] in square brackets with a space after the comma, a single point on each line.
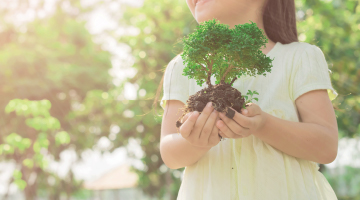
[223, 96]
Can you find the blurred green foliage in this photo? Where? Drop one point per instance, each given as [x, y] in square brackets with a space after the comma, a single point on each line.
[63, 73]
[50, 60]
[334, 26]
[345, 181]
[17, 148]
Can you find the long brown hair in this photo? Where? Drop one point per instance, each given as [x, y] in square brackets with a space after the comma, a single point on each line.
[279, 23]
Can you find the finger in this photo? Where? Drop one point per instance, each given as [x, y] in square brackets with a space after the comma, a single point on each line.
[209, 126]
[234, 126]
[186, 117]
[214, 137]
[183, 119]
[226, 130]
[188, 125]
[251, 110]
[239, 120]
[222, 134]
[201, 120]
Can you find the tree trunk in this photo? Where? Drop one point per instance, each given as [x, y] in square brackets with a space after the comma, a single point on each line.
[226, 72]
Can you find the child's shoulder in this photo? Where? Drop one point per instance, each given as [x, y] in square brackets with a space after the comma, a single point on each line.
[175, 66]
[297, 48]
[176, 61]
[294, 52]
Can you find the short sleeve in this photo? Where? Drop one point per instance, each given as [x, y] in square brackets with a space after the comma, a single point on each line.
[175, 85]
[311, 72]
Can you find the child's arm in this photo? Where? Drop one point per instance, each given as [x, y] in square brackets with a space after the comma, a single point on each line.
[314, 138]
[176, 151]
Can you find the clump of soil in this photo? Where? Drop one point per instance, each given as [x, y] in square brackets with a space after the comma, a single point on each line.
[221, 95]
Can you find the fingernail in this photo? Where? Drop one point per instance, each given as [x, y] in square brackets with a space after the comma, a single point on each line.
[209, 104]
[178, 124]
[195, 113]
[244, 111]
[230, 113]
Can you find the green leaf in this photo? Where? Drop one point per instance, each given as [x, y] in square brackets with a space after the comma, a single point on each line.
[37, 146]
[43, 124]
[46, 104]
[20, 183]
[13, 139]
[256, 92]
[62, 138]
[17, 174]
[256, 99]
[24, 144]
[28, 163]
[7, 149]
[10, 107]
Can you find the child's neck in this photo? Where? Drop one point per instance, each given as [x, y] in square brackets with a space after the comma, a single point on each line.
[268, 47]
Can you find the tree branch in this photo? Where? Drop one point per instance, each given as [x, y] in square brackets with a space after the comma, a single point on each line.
[233, 80]
[226, 72]
[208, 82]
[209, 72]
[203, 67]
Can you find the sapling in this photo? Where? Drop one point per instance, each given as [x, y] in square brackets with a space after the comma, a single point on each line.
[227, 54]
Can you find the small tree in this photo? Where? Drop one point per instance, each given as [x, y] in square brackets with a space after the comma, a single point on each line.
[228, 54]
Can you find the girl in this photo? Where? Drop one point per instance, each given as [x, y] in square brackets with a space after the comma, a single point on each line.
[271, 147]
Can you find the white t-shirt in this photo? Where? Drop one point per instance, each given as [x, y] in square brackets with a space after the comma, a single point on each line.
[248, 168]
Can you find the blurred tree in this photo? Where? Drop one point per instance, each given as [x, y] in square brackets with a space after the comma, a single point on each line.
[345, 181]
[51, 58]
[334, 26]
[29, 154]
[160, 29]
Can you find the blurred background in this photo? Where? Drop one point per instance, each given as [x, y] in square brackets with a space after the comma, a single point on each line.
[77, 85]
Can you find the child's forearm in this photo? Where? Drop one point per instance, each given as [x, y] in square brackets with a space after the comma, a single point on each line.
[177, 153]
[302, 140]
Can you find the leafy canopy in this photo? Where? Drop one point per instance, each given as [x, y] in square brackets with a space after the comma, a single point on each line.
[226, 53]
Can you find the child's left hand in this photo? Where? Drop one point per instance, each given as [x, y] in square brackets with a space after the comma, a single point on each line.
[242, 125]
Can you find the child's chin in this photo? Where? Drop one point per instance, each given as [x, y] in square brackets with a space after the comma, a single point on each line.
[203, 18]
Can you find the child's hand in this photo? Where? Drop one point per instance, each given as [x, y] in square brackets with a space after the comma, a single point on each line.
[242, 125]
[200, 130]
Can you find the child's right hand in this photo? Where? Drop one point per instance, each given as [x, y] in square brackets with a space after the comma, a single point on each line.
[200, 129]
